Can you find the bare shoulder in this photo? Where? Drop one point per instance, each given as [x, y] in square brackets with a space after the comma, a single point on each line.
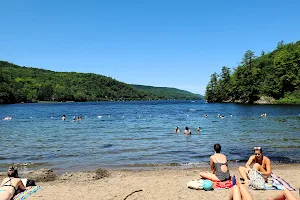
[252, 157]
[267, 159]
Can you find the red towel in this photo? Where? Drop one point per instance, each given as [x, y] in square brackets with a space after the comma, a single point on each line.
[222, 185]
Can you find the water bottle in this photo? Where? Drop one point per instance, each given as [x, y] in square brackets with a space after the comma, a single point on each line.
[233, 181]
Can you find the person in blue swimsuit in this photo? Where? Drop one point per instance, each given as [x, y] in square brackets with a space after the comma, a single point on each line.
[10, 185]
[218, 165]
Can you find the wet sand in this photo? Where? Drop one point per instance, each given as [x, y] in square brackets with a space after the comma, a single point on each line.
[161, 184]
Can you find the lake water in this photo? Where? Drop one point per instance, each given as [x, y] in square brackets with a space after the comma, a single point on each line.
[141, 134]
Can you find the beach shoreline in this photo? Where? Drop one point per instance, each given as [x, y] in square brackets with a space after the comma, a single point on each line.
[154, 183]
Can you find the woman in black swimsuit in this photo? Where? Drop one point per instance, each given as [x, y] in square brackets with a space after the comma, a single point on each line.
[218, 165]
[10, 185]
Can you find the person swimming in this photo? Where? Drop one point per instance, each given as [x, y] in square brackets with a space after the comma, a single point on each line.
[264, 115]
[221, 116]
[63, 118]
[177, 130]
[199, 129]
[187, 131]
[8, 118]
[206, 116]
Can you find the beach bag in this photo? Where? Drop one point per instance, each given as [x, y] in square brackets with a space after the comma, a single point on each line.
[30, 182]
[196, 184]
[257, 181]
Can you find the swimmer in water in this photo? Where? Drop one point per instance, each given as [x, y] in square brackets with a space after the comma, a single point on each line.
[8, 118]
[79, 118]
[206, 116]
[199, 129]
[177, 130]
[221, 116]
[187, 131]
[74, 119]
[264, 115]
[63, 118]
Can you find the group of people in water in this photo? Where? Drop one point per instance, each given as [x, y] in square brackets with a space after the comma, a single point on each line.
[186, 131]
[64, 118]
[259, 162]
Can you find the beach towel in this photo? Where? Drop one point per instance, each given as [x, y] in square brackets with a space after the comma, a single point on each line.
[222, 185]
[29, 191]
[281, 184]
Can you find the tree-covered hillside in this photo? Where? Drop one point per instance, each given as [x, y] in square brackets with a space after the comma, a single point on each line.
[273, 75]
[23, 84]
[168, 93]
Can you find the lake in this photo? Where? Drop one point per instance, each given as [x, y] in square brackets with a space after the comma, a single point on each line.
[137, 134]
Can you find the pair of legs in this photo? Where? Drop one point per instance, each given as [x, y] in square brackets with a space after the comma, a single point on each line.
[210, 176]
[239, 192]
[244, 171]
[285, 195]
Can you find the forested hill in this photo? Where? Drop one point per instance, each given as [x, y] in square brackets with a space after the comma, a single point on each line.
[273, 76]
[24, 84]
[167, 93]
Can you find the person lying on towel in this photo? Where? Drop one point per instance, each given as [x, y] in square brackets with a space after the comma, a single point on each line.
[10, 185]
[260, 163]
[218, 165]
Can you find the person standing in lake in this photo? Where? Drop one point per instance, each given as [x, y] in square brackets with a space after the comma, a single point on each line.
[177, 130]
[218, 165]
[260, 163]
[63, 118]
[187, 131]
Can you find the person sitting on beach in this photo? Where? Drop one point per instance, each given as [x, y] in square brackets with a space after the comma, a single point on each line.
[63, 117]
[199, 129]
[10, 185]
[260, 163]
[218, 165]
[177, 130]
[187, 131]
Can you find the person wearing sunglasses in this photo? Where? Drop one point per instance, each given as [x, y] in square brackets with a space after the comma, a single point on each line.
[260, 163]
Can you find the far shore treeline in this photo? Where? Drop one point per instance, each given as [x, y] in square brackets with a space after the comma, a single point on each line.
[24, 84]
[269, 78]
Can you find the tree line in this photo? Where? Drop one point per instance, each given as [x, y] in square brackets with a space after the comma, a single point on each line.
[273, 75]
[24, 84]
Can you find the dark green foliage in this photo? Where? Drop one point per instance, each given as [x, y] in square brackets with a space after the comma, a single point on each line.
[274, 74]
[167, 93]
[22, 84]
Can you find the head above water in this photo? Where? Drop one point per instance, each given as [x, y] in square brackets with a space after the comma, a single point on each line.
[12, 172]
[186, 128]
[217, 148]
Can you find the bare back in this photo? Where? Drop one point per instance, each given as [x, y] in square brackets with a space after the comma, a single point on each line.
[11, 184]
[220, 158]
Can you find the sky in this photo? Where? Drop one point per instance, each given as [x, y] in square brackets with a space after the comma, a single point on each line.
[165, 43]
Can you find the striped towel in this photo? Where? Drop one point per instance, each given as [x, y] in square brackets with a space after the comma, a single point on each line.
[281, 182]
[29, 191]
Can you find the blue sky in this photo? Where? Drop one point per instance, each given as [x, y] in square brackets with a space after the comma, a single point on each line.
[159, 43]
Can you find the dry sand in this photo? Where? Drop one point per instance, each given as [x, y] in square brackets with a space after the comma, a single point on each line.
[161, 184]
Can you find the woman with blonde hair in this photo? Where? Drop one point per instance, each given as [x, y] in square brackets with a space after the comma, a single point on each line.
[11, 184]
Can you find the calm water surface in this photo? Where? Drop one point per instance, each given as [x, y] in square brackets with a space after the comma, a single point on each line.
[141, 133]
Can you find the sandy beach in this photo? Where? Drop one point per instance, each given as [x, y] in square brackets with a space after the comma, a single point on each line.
[164, 184]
